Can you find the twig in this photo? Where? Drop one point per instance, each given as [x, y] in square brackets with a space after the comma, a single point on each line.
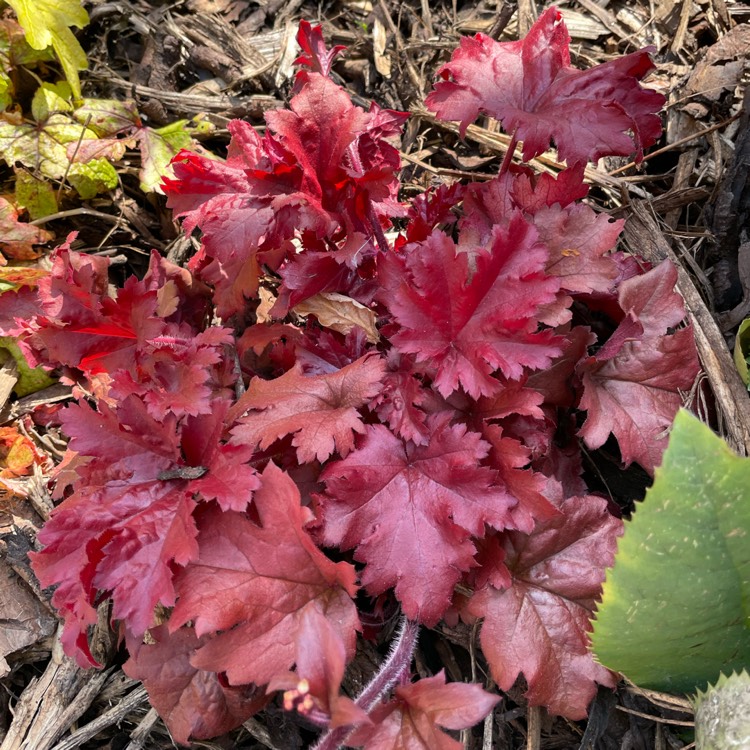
[680, 142]
[78, 212]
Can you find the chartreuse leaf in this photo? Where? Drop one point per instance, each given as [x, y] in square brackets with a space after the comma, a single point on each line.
[94, 177]
[30, 380]
[14, 51]
[35, 195]
[674, 611]
[159, 147]
[742, 350]
[43, 146]
[46, 23]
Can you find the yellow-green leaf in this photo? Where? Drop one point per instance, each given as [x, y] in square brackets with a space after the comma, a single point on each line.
[93, 177]
[30, 380]
[46, 23]
[158, 147]
[35, 195]
[742, 350]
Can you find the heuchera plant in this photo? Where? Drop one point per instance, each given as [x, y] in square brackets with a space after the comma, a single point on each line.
[401, 415]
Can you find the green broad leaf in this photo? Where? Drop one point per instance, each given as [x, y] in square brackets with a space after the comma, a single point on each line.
[93, 177]
[15, 49]
[675, 606]
[46, 24]
[742, 350]
[29, 380]
[14, 52]
[42, 146]
[6, 91]
[49, 99]
[47, 146]
[108, 117]
[35, 195]
[159, 147]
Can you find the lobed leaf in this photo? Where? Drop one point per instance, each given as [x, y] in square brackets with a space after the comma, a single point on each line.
[463, 323]
[409, 511]
[272, 569]
[192, 702]
[538, 625]
[412, 720]
[532, 89]
[634, 385]
[320, 411]
[46, 24]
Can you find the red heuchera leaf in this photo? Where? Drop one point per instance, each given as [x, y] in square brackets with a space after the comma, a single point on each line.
[193, 703]
[78, 322]
[226, 477]
[272, 569]
[577, 238]
[174, 373]
[320, 411]
[463, 323]
[531, 191]
[530, 86]
[129, 518]
[539, 625]
[142, 339]
[511, 459]
[432, 208]
[634, 385]
[324, 167]
[316, 56]
[512, 398]
[401, 404]
[320, 662]
[412, 720]
[122, 527]
[20, 302]
[409, 511]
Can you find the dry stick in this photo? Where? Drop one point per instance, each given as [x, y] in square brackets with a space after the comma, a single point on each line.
[78, 212]
[731, 395]
[410, 69]
[674, 145]
[394, 667]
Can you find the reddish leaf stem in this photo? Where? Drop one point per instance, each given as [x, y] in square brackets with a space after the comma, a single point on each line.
[391, 671]
[505, 166]
[380, 238]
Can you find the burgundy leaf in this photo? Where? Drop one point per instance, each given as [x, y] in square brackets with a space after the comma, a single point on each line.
[464, 323]
[530, 86]
[412, 720]
[638, 380]
[320, 411]
[272, 569]
[539, 625]
[409, 511]
[193, 703]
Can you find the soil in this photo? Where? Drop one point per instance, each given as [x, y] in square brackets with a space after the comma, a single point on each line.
[221, 59]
